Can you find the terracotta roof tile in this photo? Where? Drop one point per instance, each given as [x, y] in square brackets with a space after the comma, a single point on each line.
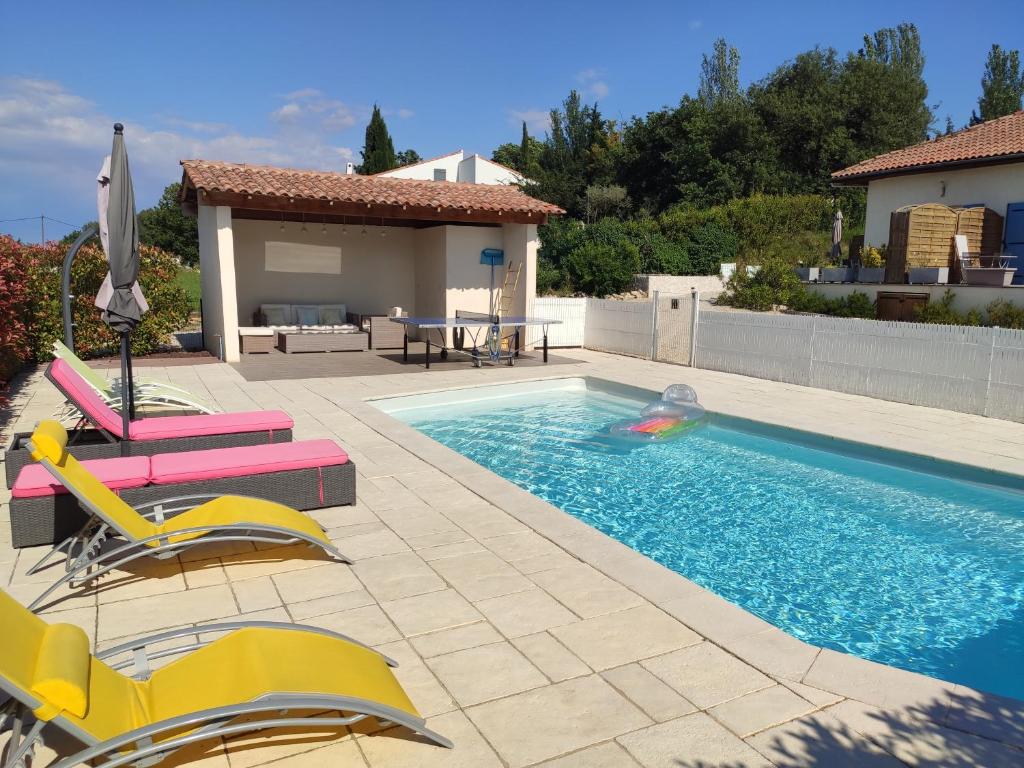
[213, 176]
[985, 141]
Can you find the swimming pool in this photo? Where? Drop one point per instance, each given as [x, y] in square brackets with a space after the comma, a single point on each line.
[907, 561]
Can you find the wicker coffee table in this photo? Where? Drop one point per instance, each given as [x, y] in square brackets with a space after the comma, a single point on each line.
[321, 341]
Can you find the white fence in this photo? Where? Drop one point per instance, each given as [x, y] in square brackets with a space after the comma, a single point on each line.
[625, 327]
[571, 312]
[971, 370]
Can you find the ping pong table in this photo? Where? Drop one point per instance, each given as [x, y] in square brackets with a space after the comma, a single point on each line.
[484, 332]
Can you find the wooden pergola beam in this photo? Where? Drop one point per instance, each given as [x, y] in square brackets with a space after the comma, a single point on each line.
[368, 211]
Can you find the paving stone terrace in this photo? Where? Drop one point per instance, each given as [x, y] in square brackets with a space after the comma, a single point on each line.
[527, 637]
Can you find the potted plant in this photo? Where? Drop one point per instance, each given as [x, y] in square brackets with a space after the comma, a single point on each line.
[809, 270]
[836, 274]
[928, 275]
[872, 265]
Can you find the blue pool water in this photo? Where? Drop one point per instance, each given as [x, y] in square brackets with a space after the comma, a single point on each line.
[841, 548]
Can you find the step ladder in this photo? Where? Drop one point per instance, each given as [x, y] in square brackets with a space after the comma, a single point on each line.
[506, 298]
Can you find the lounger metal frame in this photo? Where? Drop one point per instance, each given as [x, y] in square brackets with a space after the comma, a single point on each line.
[85, 559]
[204, 724]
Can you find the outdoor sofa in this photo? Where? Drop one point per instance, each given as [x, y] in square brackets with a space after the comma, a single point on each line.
[301, 328]
[260, 675]
[308, 474]
[147, 437]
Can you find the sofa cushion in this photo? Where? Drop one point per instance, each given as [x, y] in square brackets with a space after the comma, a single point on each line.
[276, 314]
[84, 397]
[164, 427]
[332, 314]
[169, 468]
[257, 330]
[307, 314]
[122, 472]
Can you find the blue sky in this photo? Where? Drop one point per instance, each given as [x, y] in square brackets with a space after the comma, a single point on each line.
[293, 83]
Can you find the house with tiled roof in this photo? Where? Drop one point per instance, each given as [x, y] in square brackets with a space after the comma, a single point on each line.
[980, 165]
[284, 236]
[457, 166]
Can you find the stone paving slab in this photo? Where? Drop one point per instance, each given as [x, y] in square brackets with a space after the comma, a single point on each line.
[526, 636]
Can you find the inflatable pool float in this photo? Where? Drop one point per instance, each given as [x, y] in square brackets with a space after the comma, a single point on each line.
[675, 414]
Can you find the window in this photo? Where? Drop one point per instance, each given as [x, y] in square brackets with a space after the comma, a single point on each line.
[440, 174]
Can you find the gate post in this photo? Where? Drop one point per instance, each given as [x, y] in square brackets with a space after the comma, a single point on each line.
[654, 326]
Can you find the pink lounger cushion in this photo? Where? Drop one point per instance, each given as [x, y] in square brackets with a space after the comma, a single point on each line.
[122, 472]
[170, 468]
[163, 427]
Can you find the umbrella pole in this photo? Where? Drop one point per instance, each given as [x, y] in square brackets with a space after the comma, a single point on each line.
[130, 381]
[125, 382]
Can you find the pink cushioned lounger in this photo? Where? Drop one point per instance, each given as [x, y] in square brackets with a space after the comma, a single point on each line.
[116, 474]
[236, 462]
[162, 427]
[303, 475]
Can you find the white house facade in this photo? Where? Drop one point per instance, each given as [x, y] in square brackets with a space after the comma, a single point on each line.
[457, 166]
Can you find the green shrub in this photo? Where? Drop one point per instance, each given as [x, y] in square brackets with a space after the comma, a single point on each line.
[1005, 315]
[774, 284]
[168, 302]
[941, 312]
[711, 243]
[598, 269]
[658, 254]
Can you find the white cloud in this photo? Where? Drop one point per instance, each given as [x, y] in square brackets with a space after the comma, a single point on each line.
[538, 121]
[695, 24]
[52, 142]
[592, 83]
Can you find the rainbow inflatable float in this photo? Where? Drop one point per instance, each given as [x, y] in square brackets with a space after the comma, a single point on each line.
[675, 414]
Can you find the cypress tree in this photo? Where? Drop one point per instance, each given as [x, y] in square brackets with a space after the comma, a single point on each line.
[378, 149]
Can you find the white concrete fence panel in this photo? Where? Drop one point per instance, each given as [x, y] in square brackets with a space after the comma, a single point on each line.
[624, 327]
[573, 314]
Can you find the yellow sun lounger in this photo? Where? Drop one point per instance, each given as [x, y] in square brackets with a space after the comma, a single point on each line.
[162, 533]
[260, 675]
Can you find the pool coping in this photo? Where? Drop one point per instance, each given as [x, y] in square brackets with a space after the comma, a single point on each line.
[740, 633]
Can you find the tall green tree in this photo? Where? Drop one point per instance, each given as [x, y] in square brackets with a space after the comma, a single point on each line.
[886, 93]
[378, 149]
[166, 227]
[522, 157]
[720, 74]
[1002, 85]
[407, 157]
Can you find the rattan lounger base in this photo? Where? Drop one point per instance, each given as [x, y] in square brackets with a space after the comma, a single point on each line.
[91, 444]
[39, 520]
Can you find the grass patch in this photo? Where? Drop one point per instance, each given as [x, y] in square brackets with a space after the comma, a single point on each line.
[188, 279]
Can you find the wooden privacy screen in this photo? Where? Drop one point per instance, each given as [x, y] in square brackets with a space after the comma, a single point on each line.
[922, 236]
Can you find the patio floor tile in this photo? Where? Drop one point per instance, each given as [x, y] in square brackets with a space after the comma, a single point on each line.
[481, 575]
[524, 613]
[820, 739]
[585, 591]
[485, 672]
[551, 657]
[694, 740]
[554, 720]
[430, 612]
[400, 750]
[608, 755]
[706, 675]
[367, 624]
[391, 577]
[311, 583]
[139, 617]
[655, 698]
[457, 639]
[761, 709]
[614, 639]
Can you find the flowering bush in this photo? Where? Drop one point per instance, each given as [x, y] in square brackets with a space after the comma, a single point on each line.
[14, 347]
[31, 315]
[168, 302]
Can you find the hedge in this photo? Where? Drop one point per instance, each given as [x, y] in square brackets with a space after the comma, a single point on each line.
[31, 312]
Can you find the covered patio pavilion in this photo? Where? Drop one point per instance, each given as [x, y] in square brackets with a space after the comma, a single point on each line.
[283, 236]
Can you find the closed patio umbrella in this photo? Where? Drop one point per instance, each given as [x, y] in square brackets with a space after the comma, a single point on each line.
[120, 298]
[837, 236]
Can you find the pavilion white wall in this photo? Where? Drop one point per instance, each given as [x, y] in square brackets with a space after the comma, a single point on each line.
[376, 272]
[217, 281]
